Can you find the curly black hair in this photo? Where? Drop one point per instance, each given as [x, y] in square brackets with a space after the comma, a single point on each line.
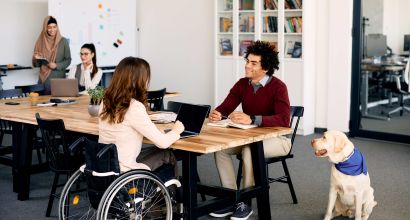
[269, 56]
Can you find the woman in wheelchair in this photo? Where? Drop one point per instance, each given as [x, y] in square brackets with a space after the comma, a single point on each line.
[93, 192]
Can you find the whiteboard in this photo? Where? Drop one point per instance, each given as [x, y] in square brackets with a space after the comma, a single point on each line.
[110, 24]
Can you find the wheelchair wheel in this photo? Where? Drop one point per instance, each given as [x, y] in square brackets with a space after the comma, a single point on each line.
[136, 195]
[74, 202]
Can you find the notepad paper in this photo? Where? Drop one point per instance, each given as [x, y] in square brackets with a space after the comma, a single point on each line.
[163, 117]
[228, 123]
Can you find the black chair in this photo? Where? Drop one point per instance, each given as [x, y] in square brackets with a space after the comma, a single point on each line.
[6, 128]
[155, 99]
[60, 160]
[400, 87]
[39, 88]
[296, 112]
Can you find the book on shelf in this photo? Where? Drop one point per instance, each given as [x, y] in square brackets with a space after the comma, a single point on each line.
[293, 25]
[246, 4]
[228, 123]
[225, 24]
[297, 50]
[289, 48]
[246, 23]
[228, 5]
[270, 5]
[226, 46]
[243, 46]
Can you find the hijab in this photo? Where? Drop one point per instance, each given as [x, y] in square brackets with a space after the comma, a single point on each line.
[47, 45]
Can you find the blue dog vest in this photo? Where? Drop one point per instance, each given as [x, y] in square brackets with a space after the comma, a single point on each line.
[354, 166]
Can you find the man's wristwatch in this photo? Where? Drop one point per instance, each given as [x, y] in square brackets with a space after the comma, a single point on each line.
[252, 119]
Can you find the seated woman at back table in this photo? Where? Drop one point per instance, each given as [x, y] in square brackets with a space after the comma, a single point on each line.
[87, 72]
[124, 121]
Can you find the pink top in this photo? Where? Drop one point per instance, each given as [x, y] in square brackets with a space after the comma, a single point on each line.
[128, 135]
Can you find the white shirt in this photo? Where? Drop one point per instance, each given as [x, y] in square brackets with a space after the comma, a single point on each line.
[85, 77]
[128, 135]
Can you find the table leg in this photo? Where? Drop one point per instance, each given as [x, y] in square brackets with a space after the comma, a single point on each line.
[189, 184]
[259, 172]
[364, 97]
[22, 143]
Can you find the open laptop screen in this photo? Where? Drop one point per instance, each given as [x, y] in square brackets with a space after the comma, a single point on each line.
[192, 116]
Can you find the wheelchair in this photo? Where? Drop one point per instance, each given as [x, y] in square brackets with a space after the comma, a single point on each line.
[98, 191]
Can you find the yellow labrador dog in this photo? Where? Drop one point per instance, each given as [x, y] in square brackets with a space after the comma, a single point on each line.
[350, 192]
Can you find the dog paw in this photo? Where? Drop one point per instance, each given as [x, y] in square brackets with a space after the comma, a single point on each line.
[327, 217]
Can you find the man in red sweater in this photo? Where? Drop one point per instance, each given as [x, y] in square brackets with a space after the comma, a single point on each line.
[265, 103]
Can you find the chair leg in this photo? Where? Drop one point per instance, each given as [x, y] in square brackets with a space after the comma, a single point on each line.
[52, 195]
[292, 190]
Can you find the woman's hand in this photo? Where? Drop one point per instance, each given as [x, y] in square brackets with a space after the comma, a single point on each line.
[52, 65]
[178, 127]
[37, 55]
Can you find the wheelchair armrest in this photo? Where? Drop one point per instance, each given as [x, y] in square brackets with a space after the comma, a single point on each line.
[104, 150]
[74, 145]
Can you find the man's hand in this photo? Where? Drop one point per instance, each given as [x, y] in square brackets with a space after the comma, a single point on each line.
[215, 116]
[240, 118]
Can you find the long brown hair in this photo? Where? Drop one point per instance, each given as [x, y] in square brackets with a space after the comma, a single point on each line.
[130, 81]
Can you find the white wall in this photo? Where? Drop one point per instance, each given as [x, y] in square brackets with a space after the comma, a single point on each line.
[339, 65]
[396, 23]
[21, 23]
[176, 37]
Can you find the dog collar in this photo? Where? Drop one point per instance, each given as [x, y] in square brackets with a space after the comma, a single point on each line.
[349, 156]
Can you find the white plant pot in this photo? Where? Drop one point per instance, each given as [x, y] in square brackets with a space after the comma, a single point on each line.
[93, 110]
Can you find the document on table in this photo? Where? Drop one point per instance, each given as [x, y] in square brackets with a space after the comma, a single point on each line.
[163, 117]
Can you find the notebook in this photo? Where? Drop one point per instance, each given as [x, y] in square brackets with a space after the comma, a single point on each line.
[228, 123]
[193, 117]
[64, 87]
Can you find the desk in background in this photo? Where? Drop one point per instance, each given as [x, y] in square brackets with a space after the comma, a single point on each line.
[211, 139]
[5, 68]
[367, 68]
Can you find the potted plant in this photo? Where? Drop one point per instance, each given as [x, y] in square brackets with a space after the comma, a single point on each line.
[96, 96]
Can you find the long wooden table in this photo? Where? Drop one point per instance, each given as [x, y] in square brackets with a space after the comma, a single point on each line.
[211, 139]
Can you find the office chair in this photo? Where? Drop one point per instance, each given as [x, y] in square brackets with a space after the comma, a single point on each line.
[296, 113]
[155, 99]
[39, 88]
[6, 128]
[60, 160]
[401, 88]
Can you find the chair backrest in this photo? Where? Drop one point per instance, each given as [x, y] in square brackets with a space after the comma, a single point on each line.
[11, 93]
[5, 126]
[155, 99]
[174, 106]
[39, 88]
[54, 138]
[296, 112]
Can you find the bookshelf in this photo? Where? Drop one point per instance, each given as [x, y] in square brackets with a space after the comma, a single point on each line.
[289, 25]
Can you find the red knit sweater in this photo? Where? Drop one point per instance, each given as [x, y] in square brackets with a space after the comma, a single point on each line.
[270, 101]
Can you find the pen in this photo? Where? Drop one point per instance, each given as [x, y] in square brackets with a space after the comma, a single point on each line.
[224, 117]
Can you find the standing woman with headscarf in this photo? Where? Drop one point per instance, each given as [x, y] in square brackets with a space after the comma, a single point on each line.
[54, 48]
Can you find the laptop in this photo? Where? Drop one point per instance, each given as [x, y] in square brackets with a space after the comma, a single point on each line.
[64, 87]
[193, 117]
